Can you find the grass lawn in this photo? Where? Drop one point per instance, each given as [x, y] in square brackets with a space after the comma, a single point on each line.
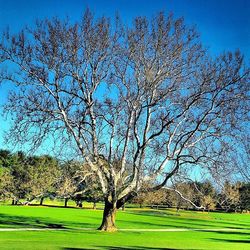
[74, 221]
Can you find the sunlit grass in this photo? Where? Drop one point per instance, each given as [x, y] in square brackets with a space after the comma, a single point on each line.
[73, 220]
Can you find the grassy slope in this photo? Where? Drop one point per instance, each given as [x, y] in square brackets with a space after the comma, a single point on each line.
[74, 238]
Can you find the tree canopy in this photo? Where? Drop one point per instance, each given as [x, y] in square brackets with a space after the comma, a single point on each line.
[138, 103]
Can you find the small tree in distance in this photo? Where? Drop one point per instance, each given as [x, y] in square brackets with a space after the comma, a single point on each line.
[230, 196]
[147, 97]
[144, 197]
[67, 184]
[43, 172]
[6, 183]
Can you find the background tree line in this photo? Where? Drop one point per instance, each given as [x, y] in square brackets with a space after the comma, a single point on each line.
[27, 178]
[199, 195]
[24, 179]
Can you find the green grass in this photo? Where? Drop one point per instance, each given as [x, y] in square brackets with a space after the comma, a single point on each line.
[75, 220]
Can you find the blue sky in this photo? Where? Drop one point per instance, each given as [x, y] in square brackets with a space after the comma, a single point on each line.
[223, 24]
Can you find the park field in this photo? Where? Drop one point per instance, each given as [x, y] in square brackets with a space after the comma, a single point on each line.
[36, 227]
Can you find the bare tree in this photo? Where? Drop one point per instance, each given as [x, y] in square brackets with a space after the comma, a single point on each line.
[229, 199]
[139, 103]
[241, 156]
[6, 184]
[152, 198]
[72, 181]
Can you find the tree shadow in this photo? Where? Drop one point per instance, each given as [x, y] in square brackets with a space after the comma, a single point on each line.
[76, 248]
[125, 248]
[186, 222]
[245, 241]
[141, 248]
[226, 232]
[57, 206]
[23, 221]
[61, 206]
[34, 222]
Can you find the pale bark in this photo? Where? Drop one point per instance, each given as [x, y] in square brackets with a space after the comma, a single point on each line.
[109, 215]
[167, 106]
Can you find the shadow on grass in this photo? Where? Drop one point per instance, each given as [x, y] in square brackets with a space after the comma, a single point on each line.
[234, 237]
[126, 248]
[141, 248]
[23, 221]
[226, 233]
[233, 241]
[36, 222]
[60, 206]
[76, 248]
[57, 206]
[184, 223]
[187, 222]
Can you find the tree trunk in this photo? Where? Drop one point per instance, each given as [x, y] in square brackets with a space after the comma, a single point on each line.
[66, 202]
[41, 201]
[13, 202]
[79, 203]
[177, 209]
[94, 205]
[108, 220]
[109, 212]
